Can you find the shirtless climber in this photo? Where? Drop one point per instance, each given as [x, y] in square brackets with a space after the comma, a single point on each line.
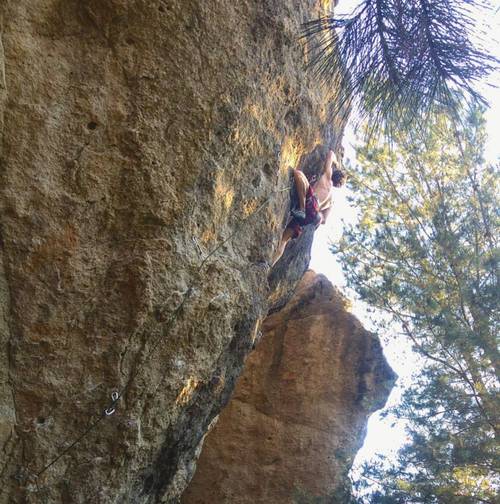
[315, 201]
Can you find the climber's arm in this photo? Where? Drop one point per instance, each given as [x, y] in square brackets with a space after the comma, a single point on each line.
[328, 164]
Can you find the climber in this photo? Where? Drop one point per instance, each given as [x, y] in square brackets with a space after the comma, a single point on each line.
[314, 200]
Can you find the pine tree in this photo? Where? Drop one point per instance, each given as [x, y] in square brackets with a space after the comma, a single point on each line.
[426, 252]
[397, 61]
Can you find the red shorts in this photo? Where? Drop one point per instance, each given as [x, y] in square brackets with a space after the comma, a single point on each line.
[312, 214]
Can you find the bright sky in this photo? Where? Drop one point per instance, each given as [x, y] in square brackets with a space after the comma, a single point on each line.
[386, 436]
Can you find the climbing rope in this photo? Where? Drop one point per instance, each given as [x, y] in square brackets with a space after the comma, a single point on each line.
[110, 408]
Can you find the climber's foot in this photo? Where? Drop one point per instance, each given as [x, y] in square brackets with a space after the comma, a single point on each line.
[300, 215]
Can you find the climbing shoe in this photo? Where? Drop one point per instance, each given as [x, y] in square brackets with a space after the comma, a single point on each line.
[300, 215]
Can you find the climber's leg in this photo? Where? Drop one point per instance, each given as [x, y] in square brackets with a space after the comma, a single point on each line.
[289, 233]
[302, 185]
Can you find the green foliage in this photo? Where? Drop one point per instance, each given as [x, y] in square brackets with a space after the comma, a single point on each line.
[399, 60]
[426, 252]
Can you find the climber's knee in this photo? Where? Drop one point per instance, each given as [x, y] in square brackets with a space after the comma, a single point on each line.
[300, 180]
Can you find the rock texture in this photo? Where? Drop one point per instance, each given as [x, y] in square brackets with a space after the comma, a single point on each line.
[299, 411]
[135, 137]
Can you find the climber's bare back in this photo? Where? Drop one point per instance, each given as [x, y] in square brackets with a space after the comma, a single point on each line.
[323, 187]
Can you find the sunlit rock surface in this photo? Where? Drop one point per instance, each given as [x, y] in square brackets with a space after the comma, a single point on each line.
[300, 408]
[136, 135]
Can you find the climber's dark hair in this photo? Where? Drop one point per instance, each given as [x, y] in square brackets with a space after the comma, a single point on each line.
[338, 178]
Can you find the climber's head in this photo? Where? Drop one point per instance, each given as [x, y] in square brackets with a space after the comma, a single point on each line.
[338, 175]
[338, 178]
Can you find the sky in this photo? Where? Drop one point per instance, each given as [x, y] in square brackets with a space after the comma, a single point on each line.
[385, 436]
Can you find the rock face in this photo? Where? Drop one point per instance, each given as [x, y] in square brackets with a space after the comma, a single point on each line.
[145, 149]
[300, 408]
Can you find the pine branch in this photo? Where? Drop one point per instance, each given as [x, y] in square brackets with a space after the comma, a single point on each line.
[398, 61]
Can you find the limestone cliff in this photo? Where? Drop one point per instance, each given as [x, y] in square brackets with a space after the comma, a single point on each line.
[136, 138]
[299, 411]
